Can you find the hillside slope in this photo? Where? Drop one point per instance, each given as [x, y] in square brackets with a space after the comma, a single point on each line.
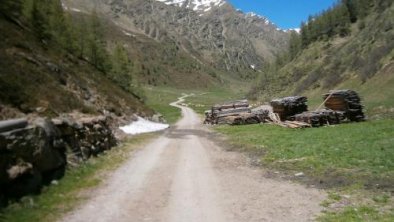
[38, 77]
[362, 60]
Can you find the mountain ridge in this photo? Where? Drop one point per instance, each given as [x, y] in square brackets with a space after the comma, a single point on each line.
[228, 40]
[196, 5]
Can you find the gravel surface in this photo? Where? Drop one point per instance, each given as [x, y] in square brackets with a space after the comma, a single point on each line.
[185, 176]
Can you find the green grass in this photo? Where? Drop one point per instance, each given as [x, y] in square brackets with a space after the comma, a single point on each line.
[56, 200]
[361, 149]
[356, 214]
[159, 100]
[356, 159]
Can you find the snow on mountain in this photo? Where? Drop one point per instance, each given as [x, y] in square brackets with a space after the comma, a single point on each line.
[252, 14]
[298, 30]
[196, 5]
[268, 22]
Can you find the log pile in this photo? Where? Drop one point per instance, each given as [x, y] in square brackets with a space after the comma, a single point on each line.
[262, 113]
[223, 113]
[346, 101]
[291, 112]
[275, 119]
[240, 119]
[320, 117]
[230, 112]
[289, 106]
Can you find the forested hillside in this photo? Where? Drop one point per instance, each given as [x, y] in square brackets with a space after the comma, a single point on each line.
[347, 46]
[52, 62]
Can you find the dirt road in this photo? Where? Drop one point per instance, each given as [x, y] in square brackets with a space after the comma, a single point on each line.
[184, 176]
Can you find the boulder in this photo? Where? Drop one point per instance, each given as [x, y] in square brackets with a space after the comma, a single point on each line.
[29, 155]
[68, 130]
[50, 153]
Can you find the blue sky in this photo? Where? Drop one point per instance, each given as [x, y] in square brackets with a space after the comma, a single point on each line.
[284, 13]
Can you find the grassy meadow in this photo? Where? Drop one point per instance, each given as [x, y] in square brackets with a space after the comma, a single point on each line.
[159, 99]
[354, 162]
[356, 152]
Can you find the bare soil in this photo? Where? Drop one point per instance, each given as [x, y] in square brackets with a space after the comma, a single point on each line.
[185, 176]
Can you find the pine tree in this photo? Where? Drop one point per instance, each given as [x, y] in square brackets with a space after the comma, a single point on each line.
[294, 45]
[80, 34]
[121, 67]
[69, 39]
[343, 20]
[363, 8]
[97, 53]
[304, 35]
[11, 8]
[57, 23]
[27, 8]
[351, 6]
[330, 24]
[39, 19]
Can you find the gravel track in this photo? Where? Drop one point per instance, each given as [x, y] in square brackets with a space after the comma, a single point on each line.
[185, 176]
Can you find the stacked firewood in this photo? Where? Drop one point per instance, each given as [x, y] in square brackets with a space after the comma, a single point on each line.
[289, 106]
[221, 113]
[240, 119]
[320, 117]
[262, 113]
[291, 111]
[275, 119]
[346, 101]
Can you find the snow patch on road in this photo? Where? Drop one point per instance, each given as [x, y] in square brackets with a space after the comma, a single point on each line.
[143, 126]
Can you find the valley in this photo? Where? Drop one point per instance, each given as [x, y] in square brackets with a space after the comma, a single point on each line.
[86, 68]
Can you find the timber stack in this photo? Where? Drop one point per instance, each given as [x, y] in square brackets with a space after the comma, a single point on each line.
[289, 106]
[262, 113]
[346, 101]
[224, 113]
[320, 117]
[240, 119]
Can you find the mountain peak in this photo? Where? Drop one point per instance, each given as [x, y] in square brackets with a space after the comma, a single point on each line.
[196, 5]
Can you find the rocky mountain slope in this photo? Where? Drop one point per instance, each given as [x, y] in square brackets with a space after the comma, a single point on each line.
[196, 5]
[211, 32]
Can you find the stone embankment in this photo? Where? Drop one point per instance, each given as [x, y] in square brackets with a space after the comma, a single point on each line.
[35, 152]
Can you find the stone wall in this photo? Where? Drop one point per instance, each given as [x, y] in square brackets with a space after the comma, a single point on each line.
[33, 153]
